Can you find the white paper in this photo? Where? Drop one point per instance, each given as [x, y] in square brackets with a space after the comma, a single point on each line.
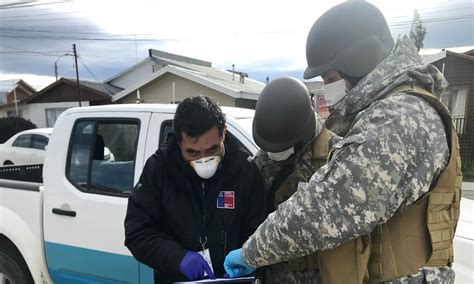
[219, 280]
[207, 257]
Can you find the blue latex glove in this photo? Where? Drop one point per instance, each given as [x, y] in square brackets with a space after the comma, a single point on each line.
[235, 265]
[193, 265]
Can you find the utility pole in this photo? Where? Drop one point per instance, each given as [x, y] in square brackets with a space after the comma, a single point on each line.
[56, 70]
[14, 97]
[77, 74]
[56, 64]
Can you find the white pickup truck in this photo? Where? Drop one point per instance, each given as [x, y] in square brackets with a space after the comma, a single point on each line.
[68, 226]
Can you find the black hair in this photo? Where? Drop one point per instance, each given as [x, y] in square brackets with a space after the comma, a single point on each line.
[196, 115]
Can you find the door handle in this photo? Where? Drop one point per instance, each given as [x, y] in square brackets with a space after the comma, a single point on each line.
[69, 213]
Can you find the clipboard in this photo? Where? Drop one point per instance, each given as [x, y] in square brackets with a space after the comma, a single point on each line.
[249, 280]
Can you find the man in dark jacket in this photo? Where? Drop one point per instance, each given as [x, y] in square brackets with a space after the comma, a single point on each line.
[198, 198]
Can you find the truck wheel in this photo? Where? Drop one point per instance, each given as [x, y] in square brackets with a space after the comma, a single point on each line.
[7, 163]
[13, 270]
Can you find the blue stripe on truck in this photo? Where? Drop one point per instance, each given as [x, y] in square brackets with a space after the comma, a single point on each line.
[69, 264]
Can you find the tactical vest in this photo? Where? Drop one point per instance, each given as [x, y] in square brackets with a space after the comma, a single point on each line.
[421, 235]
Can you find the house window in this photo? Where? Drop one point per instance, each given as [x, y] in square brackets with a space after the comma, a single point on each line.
[458, 102]
[102, 156]
[11, 113]
[321, 107]
[52, 115]
[455, 100]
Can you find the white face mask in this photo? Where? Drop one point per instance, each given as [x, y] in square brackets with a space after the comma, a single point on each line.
[206, 167]
[334, 92]
[281, 156]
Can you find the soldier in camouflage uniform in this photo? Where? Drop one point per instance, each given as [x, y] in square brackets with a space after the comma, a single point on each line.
[398, 147]
[283, 113]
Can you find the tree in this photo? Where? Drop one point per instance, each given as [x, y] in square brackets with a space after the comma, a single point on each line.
[417, 31]
[10, 126]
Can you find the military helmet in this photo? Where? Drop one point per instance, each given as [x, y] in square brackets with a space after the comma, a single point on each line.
[352, 37]
[283, 115]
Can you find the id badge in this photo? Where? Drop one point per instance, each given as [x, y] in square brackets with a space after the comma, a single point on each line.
[207, 256]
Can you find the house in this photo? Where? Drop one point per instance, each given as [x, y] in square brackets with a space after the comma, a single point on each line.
[458, 68]
[45, 106]
[16, 90]
[317, 98]
[169, 78]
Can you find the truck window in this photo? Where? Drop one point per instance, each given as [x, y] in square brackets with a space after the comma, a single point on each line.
[167, 132]
[102, 156]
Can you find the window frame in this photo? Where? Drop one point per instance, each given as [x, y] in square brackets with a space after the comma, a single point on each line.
[162, 137]
[53, 109]
[96, 121]
[34, 139]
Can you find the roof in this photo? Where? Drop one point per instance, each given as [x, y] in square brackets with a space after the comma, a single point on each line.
[128, 70]
[99, 86]
[8, 85]
[432, 55]
[203, 73]
[94, 87]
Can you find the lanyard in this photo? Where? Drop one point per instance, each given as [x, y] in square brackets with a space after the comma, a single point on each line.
[204, 197]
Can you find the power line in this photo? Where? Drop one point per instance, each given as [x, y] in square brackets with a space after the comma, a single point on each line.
[46, 20]
[23, 5]
[40, 15]
[87, 68]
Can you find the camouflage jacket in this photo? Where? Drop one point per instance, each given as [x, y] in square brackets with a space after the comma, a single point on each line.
[304, 169]
[393, 149]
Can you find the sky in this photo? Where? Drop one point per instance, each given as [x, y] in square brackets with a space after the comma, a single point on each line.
[262, 38]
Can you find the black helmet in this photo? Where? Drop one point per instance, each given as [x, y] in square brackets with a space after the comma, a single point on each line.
[352, 37]
[283, 115]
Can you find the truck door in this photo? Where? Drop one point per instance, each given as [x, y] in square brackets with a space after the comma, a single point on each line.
[97, 160]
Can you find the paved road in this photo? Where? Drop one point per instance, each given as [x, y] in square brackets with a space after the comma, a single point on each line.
[468, 190]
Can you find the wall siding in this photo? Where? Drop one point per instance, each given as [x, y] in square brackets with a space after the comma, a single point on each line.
[161, 91]
[65, 92]
[460, 73]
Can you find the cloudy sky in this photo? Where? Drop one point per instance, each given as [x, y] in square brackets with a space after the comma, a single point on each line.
[263, 38]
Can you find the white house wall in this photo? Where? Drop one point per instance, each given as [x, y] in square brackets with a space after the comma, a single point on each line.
[36, 113]
[137, 74]
[161, 91]
[21, 109]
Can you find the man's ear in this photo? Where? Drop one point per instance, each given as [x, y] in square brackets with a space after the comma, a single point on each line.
[224, 132]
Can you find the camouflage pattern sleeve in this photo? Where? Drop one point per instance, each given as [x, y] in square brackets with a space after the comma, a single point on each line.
[391, 155]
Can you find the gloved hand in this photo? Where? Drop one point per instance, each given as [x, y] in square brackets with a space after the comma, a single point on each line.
[235, 265]
[193, 265]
